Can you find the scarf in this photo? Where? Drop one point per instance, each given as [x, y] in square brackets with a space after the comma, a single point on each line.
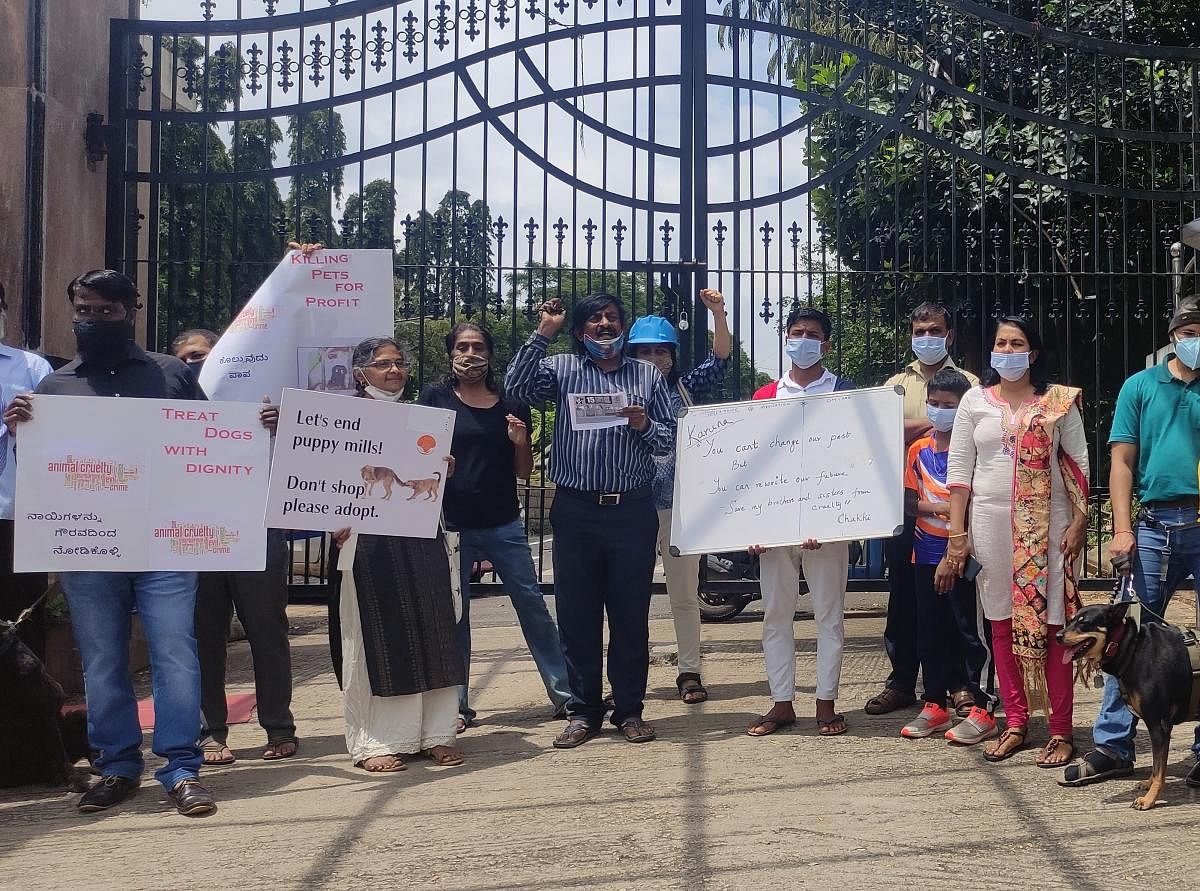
[1032, 475]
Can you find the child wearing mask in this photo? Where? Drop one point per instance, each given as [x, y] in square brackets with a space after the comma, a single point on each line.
[955, 661]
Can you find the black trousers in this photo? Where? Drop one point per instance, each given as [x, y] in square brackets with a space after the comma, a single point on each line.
[900, 632]
[261, 602]
[955, 648]
[604, 563]
[17, 591]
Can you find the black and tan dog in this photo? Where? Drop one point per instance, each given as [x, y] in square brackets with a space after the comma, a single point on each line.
[38, 743]
[1152, 668]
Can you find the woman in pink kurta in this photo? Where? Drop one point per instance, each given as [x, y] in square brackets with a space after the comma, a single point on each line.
[1018, 460]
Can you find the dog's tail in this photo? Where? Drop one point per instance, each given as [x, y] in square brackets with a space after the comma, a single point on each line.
[438, 474]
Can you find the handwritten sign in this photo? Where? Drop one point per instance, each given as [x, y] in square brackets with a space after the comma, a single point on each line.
[375, 467]
[781, 471]
[331, 299]
[143, 485]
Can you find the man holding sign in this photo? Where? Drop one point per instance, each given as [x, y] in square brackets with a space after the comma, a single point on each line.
[110, 363]
[605, 525]
[824, 565]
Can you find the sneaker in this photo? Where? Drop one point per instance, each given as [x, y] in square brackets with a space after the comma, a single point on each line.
[933, 719]
[978, 726]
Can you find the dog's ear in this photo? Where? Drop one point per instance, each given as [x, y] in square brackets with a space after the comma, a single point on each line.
[1116, 613]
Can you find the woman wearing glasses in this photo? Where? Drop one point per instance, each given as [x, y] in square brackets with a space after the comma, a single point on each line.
[393, 613]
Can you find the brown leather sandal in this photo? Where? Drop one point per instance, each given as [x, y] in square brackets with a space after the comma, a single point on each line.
[888, 701]
[962, 701]
[576, 733]
[635, 730]
[1052, 749]
[996, 752]
[691, 691]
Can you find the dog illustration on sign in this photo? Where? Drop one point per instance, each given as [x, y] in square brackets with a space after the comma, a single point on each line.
[373, 475]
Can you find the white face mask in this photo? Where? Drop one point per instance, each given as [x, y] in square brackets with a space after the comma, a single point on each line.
[929, 349]
[805, 352]
[383, 395]
[942, 419]
[1010, 366]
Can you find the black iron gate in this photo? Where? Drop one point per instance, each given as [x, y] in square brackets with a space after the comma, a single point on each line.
[864, 155]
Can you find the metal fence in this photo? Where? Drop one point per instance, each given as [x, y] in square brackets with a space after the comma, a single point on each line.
[860, 155]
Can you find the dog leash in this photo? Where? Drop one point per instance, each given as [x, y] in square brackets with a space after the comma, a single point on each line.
[25, 613]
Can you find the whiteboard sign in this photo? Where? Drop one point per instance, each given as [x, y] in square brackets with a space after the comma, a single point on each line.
[777, 472]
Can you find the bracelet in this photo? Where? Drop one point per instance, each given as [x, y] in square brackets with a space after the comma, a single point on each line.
[957, 535]
[1122, 532]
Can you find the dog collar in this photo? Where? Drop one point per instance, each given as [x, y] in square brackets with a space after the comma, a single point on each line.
[1112, 660]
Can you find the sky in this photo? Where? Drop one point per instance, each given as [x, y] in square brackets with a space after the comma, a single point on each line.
[482, 160]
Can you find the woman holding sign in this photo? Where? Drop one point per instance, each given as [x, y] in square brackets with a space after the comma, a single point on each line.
[394, 616]
[1018, 461]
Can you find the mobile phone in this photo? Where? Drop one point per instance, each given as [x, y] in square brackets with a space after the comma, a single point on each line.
[971, 569]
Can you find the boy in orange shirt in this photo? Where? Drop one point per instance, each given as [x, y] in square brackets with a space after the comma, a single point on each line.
[956, 661]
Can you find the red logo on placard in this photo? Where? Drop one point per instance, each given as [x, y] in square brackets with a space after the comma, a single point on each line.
[426, 444]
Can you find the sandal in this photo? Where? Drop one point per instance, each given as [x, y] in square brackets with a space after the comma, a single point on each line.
[635, 730]
[576, 733]
[1095, 767]
[962, 701]
[889, 700]
[461, 724]
[691, 691]
[1052, 749]
[385, 764]
[220, 752]
[835, 726]
[996, 752]
[765, 725]
[444, 756]
[275, 748]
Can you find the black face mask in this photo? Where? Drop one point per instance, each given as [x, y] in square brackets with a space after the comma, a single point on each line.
[102, 339]
[196, 367]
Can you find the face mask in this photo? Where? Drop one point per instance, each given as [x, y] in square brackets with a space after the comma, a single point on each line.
[383, 395]
[1187, 351]
[603, 349]
[469, 368]
[1010, 366]
[805, 352]
[930, 350]
[942, 419]
[196, 367]
[97, 338]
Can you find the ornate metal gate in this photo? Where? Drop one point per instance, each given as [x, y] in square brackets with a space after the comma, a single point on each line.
[864, 155]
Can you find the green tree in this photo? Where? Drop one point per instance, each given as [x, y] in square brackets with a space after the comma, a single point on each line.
[369, 217]
[315, 136]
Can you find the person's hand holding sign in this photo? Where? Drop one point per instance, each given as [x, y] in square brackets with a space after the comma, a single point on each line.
[19, 410]
[553, 317]
[269, 415]
[636, 413]
[305, 249]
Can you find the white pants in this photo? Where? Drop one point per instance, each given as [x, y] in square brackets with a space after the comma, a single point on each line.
[779, 578]
[683, 578]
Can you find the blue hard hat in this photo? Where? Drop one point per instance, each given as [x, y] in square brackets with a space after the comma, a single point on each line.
[653, 329]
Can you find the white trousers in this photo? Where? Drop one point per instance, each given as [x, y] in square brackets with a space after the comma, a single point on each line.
[683, 578]
[779, 577]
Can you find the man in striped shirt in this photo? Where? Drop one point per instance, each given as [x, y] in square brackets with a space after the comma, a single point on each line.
[605, 525]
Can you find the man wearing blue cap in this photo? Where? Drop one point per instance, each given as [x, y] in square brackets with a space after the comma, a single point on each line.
[654, 339]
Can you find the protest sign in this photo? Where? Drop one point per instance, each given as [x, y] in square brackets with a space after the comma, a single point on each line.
[141, 485]
[327, 301]
[375, 467]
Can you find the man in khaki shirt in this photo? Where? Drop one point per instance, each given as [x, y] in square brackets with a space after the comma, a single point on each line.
[932, 337]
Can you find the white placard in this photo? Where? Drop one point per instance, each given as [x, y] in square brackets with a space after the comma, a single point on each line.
[331, 299]
[595, 411]
[375, 467]
[139, 485]
[777, 472]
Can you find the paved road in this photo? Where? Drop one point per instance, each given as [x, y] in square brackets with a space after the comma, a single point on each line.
[704, 807]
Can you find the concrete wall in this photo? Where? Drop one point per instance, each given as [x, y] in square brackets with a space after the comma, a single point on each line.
[74, 195]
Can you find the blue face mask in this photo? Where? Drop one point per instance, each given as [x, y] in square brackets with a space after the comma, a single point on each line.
[603, 349]
[929, 349]
[805, 352]
[1187, 351]
[1010, 366]
[942, 419]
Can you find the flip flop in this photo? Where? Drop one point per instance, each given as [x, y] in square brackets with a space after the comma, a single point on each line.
[771, 724]
[446, 758]
[995, 756]
[212, 747]
[398, 766]
[271, 752]
[825, 728]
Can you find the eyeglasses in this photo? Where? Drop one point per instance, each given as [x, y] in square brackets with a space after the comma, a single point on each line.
[388, 365]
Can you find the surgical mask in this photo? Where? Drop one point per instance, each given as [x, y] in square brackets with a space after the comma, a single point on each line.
[469, 367]
[383, 395]
[101, 338]
[1187, 351]
[805, 352]
[929, 349]
[603, 349]
[1010, 366]
[942, 419]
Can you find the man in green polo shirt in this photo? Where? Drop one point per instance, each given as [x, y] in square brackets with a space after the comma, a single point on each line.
[1155, 441]
[932, 337]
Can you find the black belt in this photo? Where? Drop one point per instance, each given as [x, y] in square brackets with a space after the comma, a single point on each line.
[1188, 501]
[607, 499]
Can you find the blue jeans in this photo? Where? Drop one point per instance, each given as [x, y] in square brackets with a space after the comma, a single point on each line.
[101, 605]
[508, 549]
[1115, 725]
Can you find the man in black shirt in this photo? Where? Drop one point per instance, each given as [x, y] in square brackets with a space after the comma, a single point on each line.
[110, 363]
